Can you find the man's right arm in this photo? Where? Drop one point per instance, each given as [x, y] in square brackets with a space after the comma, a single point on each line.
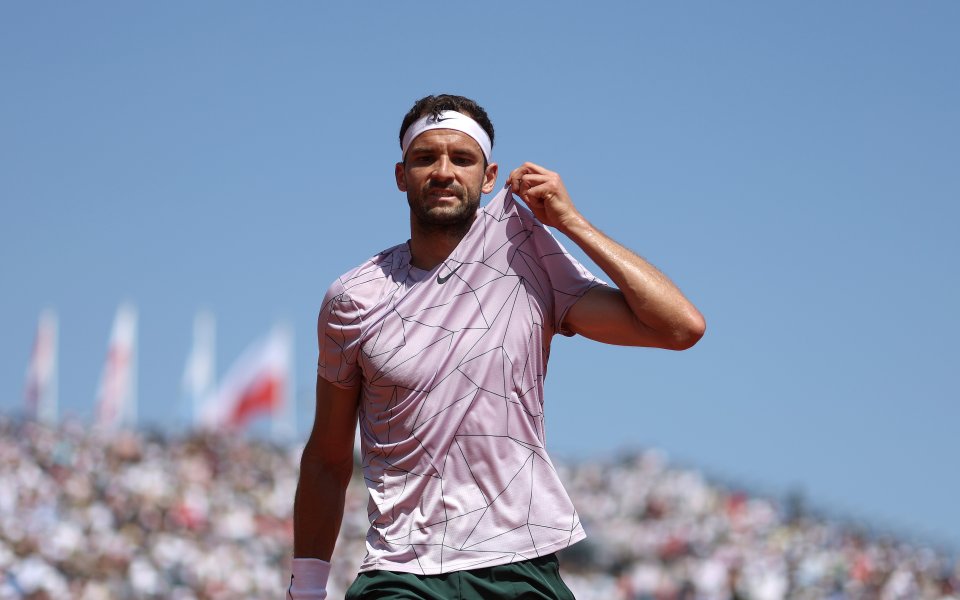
[325, 470]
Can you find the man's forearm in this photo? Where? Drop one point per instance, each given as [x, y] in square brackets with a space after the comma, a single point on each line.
[318, 508]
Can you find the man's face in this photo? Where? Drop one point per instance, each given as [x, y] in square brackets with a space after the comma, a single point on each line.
[443, 176]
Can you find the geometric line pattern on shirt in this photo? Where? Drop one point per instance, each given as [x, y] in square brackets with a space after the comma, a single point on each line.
[464, 345]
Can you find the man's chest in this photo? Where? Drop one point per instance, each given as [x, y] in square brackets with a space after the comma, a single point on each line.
[462, 321]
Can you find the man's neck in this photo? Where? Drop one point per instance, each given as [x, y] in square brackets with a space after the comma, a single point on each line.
[430, 245]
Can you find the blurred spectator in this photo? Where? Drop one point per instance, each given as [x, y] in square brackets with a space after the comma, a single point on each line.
[147, 516]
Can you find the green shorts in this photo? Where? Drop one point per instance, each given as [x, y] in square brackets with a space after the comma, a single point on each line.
[535, 579]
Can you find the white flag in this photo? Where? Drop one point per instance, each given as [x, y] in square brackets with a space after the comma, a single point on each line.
[199, 373]
[41, 392]
[256, 383]
[117, 394]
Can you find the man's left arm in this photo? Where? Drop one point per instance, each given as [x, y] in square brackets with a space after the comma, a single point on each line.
[647, 309]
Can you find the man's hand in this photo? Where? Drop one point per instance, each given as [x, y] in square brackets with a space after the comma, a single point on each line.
[546, 196]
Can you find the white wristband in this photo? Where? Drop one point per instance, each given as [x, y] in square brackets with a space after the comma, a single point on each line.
[309, 579]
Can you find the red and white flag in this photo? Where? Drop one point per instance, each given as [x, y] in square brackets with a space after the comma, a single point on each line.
[257, 383]
[41, 389]
[117, 394]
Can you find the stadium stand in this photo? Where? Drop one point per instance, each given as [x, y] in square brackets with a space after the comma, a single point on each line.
[141, 515]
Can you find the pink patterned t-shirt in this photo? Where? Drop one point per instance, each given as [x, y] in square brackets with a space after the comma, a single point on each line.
[451, 363]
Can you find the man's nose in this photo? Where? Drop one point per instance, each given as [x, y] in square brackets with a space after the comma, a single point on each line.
[443, 170]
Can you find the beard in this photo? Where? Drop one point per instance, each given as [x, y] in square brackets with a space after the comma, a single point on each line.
[431, 217]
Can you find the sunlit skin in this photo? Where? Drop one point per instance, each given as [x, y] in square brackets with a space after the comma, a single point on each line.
[443, 175]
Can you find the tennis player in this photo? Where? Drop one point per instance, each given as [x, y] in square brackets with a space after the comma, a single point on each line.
[437, 349]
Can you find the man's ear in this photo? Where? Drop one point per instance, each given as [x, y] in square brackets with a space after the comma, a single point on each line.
[401, 177]
[489, 178]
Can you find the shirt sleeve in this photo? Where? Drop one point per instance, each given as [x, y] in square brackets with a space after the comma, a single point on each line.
[569, 280]
[339, 329]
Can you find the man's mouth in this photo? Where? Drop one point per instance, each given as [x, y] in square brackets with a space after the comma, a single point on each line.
[446, 195]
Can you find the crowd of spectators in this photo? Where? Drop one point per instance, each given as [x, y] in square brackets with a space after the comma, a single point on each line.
[90, 516]
[659, 532]
[136, 515]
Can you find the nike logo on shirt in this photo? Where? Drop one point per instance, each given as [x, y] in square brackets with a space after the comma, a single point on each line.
[443, 280]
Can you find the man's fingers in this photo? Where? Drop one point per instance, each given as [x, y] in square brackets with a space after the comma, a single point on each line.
[534, 168]
[527, 168]
[516, 178]
[536, 186]
[535, 179]
[542, 191]
[527, 180]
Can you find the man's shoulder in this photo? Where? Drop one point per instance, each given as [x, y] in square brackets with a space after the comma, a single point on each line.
[367, 279]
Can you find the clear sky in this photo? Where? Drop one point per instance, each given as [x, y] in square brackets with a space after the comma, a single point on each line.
[795, 168]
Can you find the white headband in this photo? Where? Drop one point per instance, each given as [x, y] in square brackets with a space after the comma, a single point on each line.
[448, 119]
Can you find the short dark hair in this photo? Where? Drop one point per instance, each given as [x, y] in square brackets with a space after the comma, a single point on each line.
[437, 104]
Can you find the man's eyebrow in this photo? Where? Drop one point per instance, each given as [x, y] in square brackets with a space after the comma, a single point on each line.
[469, 150]
[420, 150]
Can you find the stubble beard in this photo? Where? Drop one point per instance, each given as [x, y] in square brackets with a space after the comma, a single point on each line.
[453, 221]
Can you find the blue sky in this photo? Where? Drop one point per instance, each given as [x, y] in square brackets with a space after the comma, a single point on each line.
[794, 168]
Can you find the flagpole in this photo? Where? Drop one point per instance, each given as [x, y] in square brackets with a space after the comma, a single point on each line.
[209, 333]
[291, 400]
[200, 370]
[292, 388]
[117, 392]
[41, 388]
[51, 410]
[134, 360]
